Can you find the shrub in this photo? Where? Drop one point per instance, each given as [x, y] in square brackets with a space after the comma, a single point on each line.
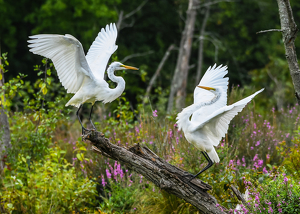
[277, 194]
[46, 186]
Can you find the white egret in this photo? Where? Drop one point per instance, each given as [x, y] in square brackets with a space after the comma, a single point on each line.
[80, 74]
[205, 122]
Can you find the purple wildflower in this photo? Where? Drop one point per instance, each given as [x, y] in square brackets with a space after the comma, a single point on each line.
[108, 174]
[154, 113]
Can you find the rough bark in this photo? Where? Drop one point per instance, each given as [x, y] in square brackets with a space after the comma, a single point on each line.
[200, 49]
[179, 81]
[4, 127]
[164, 175]
[160, 66]
[289, 32]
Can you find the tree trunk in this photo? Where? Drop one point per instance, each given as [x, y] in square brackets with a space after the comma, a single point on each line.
[4, 126]
[289, 32]
[200, 49]
[164, 175]
[179, 81]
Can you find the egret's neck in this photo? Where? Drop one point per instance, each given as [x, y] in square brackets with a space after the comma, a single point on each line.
[119, 80]
[183, 118]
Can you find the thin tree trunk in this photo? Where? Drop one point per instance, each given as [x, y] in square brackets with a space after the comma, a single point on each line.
[4, 126]
[156, 74]
[178, 85]
[289, 32]
[164, 175]
[200, 49]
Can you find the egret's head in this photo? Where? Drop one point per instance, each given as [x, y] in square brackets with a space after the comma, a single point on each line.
[207, 88]
[120, 66]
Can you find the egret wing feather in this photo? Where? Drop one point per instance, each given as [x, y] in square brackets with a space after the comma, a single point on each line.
[216, 124]
[67, 55]
[102, 49]
[213, 77]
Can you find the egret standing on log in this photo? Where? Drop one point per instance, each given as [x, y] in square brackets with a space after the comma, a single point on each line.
[205, 122]
[80, 74]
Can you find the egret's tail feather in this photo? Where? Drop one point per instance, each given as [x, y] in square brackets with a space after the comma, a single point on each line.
[213, 156]
[73, 104]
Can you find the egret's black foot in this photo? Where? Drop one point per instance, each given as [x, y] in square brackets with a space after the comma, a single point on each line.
[210, 163]
[83, 130]
[194, 176]
[93, 125]
[90, 118]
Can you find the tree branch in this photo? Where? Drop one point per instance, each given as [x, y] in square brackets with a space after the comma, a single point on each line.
[239, 196]
[164, 175]
[156, 74]
[215, 2]
[136, 55]
[289, 33]
[136, 9]
[122, 17]
[270, 30]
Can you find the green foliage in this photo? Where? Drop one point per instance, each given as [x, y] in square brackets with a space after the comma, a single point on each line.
[33, 128]
[278, 194]
[10, 88]
[122, 117]
[119, 199]
[152, 201]
[291, 156]
[276, 79]
[51, 185]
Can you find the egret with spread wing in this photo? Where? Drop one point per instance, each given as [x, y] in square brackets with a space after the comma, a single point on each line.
[205, 122]
[80, 74]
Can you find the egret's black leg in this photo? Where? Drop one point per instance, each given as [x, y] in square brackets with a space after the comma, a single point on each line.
[90, 119]
[210, 163]
[77, 113]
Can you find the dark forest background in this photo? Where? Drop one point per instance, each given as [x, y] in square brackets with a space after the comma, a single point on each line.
[152, 26]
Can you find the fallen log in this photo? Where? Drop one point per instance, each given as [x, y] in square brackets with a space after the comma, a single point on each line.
[164, 175]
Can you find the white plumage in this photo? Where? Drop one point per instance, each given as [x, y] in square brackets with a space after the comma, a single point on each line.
[80, 74]
[210, 115]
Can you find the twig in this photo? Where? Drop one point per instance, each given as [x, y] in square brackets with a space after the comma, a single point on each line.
[136, 55]
[135, 10]
[270, 30]
[122, 17]
[215, 2]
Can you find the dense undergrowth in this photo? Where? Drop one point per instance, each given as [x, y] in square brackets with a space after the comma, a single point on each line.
[51, 170]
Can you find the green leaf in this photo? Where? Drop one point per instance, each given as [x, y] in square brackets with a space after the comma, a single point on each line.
[23, 159]
[79, 156]
[49, 81]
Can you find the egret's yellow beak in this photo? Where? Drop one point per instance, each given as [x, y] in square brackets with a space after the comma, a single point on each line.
[206, 88]
[129, 67]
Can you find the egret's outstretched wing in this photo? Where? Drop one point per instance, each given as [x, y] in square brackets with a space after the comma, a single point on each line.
[67, 55]
[213, 77]
[101, 50]
[216, 125]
